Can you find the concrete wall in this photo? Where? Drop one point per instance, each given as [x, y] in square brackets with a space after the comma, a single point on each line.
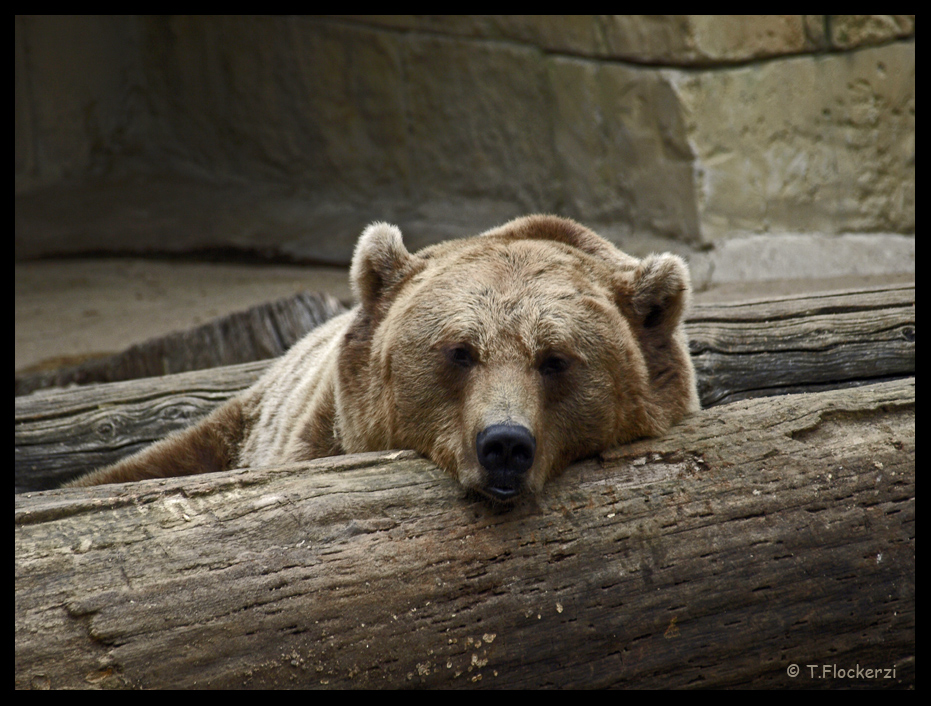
[285, 135]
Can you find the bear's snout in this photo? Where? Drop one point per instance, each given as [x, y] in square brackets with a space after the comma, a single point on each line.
[506, 451]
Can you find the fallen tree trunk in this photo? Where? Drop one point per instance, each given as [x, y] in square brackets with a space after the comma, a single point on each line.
[258, 333]
[61, 433]
[740, 350]
[802, 343]
[756, 536]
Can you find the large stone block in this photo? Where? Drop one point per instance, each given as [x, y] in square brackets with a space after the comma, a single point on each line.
[313, 104]
[650, 39]
[621, 148]
[856, 30]
[699, 40]
[479, 124]
[812, 143]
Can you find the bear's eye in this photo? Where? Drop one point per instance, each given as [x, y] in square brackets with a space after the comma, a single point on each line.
[553, 364]
[460, 355]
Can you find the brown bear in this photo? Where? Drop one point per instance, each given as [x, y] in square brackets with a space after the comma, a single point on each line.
[502, 357]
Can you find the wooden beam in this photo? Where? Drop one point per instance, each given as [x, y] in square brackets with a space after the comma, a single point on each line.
[757, 535]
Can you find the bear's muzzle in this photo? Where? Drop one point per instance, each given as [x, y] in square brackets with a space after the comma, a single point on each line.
[506, 451]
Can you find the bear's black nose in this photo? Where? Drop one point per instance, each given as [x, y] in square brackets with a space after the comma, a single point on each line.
[506, 452]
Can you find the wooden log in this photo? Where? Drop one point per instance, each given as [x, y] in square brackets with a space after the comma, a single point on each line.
[740, 350]
[60, 432]
[258, 333]
[756, 536]
[802, 343]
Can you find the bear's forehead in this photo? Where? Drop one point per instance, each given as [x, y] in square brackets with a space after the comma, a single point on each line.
[521, 266]
[534, 296]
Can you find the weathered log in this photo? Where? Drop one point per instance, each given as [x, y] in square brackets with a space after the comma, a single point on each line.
[740, 350]
[757, 535]
[258, 333]
[61, 432]
[802, 343]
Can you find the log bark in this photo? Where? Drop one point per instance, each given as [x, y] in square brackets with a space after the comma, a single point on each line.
[802, 343]
[258, 333]
[757, 535]
[59, 433]
[741, 350]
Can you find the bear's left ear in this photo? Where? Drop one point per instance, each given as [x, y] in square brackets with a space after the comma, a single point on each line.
[380, 261]
[658, 291]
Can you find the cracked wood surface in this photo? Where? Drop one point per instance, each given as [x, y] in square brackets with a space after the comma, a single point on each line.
[756, 535]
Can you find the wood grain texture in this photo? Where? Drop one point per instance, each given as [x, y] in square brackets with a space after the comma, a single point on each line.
[756, 535]
[802, 343]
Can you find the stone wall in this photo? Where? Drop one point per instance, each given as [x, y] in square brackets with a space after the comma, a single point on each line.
[285, 135]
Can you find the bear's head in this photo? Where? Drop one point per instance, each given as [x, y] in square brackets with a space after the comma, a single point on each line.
[506, 356]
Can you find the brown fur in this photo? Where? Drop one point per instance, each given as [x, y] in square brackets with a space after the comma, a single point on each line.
[211, 445]
[538, 326]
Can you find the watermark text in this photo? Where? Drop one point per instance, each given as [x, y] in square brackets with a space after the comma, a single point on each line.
[834, 671]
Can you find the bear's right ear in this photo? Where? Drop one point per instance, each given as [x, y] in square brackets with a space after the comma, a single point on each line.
[380, 261]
